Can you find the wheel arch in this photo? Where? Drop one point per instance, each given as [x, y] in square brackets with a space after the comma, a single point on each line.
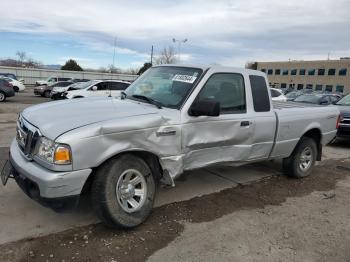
[152, 160]
[316, 135]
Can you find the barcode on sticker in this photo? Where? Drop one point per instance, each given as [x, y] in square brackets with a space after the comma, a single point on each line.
[185, 78]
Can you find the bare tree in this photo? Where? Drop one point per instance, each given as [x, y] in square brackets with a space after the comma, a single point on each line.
[131, 71]
[112, 69]
[167, 56]
[21, 56]
[33, 63]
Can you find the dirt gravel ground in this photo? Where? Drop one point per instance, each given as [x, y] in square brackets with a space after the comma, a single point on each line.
[280, 219]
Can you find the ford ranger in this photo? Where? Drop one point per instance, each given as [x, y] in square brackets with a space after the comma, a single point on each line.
[171, 119]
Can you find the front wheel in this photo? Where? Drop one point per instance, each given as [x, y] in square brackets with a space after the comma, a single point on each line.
[47, 94]
[16, 88]
[2, 96]
[123, 191]
[302, 160]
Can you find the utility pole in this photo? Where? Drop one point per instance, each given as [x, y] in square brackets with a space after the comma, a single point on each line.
[115, 43]
[179, 42]
[152, 56]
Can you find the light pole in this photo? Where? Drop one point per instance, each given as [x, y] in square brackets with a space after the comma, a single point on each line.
[179, 42]
[115, 44]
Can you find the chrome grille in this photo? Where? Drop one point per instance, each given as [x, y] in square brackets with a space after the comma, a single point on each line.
[26, 136]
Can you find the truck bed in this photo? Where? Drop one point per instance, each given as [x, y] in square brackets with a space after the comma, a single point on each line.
[295, 119]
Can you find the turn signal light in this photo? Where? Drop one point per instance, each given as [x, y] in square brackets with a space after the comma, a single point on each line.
[62, 155]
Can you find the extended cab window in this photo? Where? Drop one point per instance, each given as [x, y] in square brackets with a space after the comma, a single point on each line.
[227, 89]
[261, 100]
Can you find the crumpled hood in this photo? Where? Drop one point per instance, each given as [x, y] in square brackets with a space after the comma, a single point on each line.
[56, 118]
[59, 89]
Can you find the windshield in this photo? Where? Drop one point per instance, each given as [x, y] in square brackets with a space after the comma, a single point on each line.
[167, 85]
[345, 101]
[7, 79]
[83, 85]
[308, 99]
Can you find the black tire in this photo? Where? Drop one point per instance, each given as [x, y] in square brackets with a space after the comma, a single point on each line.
[295, 165]
[78, 97]
[2, 96]
[47, 94]
[16, 88]
[105, 200]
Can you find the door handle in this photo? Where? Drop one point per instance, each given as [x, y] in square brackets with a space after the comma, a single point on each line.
[166, 133]
[245, 123]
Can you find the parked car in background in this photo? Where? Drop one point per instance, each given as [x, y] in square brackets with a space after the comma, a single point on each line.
[45, 90]
[58, 92]
[6, 89]
[277, 95]
[97, 88]
[17, 85]
[12, 76]
[294, 94]
[52, 80]
[344, 123]
[318, 99]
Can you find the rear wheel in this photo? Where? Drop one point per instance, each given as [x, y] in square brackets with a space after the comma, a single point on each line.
[123, 191]
[16, 88]
[2, 96]
[302, 160]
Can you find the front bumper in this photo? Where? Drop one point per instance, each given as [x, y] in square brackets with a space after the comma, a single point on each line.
[38, 91]
[43, 185]
[57, 95]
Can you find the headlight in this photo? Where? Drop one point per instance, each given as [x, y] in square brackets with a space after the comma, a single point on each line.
[53, 153]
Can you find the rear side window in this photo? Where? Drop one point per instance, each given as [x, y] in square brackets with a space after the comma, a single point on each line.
[261, 100]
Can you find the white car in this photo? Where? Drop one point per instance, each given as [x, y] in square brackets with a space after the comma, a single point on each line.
[98, 88]
[277, 95]
[17, 85]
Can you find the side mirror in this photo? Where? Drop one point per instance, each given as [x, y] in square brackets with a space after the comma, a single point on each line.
[94, 88]
[324, 103]
[205, 108]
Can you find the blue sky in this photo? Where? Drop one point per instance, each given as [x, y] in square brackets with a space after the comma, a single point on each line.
[226, 32]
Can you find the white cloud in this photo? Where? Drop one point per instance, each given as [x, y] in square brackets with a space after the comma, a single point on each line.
[215, 29]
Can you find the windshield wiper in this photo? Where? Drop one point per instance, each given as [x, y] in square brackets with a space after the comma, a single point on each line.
[149, 100]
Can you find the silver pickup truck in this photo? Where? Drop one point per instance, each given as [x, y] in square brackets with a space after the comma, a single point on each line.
[171, 119]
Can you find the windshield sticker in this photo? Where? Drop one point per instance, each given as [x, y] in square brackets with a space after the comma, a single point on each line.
[185, 78]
